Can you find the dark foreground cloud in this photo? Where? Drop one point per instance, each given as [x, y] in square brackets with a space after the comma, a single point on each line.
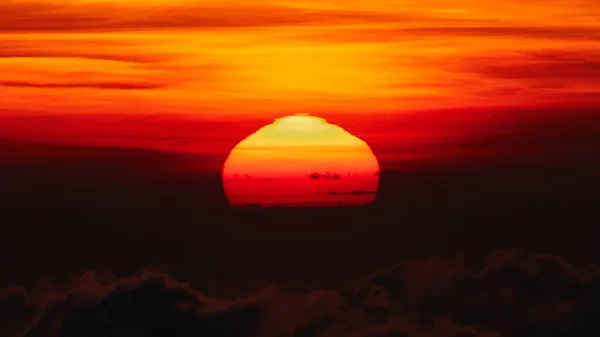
[513, 294]
[16, 310]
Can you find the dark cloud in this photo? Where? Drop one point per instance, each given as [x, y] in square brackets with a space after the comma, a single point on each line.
[551, 74]
[513, 294]
[555, 65]
[41, 53]
[16, 310]
[143, 306]
[96, 49]
[42, 16]
[553, 33]
[89, 85]
[443, 28]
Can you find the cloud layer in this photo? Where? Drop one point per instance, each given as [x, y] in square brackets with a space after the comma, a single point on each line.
[513, 294]
[226, 57]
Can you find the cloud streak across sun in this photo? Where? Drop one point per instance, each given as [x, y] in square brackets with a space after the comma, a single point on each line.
[217, 58]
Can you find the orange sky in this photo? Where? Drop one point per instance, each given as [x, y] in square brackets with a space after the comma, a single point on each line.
[414, 79]
[223, 58]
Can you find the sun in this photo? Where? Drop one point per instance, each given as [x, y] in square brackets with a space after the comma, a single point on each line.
[301, 160]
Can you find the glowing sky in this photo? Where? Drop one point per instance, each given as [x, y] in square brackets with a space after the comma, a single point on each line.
[217, 58]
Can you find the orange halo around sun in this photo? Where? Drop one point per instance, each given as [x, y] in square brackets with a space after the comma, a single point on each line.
[301, 160]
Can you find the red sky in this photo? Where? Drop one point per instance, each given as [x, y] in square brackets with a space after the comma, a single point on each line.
[241, 63]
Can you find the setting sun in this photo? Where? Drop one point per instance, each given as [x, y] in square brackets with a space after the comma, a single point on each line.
[301, 160]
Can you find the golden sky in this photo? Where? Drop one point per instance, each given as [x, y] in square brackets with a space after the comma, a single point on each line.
[224, 58]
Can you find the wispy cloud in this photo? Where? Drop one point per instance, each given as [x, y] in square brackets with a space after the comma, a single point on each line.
[90, 85]
[552, 33]
[454, 30]
[582, 65]
[548, 74]
[110, 16]
[301, 56]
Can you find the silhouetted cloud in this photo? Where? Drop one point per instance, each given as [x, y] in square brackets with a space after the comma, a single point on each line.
[325, 175]
[16, 310]
[514, 294]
